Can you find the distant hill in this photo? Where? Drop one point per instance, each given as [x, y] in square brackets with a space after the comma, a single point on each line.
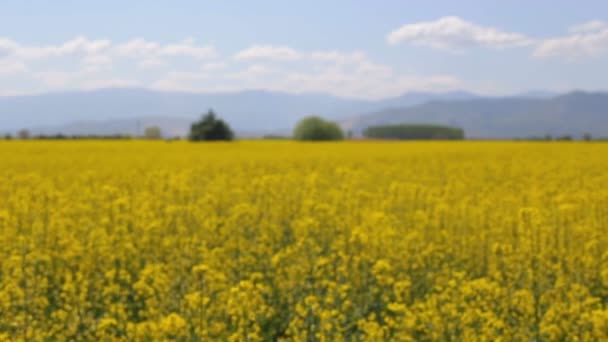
[117, 110]
[170, 127]
[574, 114]
[255, 113]
[416, 98]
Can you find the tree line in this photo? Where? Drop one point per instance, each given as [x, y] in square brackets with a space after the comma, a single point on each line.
[414, 132]
[210, 127]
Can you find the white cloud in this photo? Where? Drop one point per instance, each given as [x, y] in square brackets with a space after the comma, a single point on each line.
[82, 63]
[143, 48]
[362, 83]
[82, 44]
[213, 66]
[429, 83]
[343, 73]
[339, 57]
[97, 60]
[267, 52]
[590, 26]
[82, 80]
[455, 34]
[76, 46]
[109, 83]
[339, 65]
[180, 81]
[55, 79]
[137, 48]
[357, 61]
[586, 40]
[11, 67]
[189, 49]
[374, 69]
[186, 76]
[252, 72]
[7, 47]
[351, 74]
[151, 63]
[100, 53]
[4, 92]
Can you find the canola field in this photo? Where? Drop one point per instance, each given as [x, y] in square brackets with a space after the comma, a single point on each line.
[286, 241]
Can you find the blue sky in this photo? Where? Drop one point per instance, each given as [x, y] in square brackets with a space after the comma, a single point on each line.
[351, 48]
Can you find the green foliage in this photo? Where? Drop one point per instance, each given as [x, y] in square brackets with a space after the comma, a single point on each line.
[152, 132]
[274, 137]
[314, 128]
[210, 128]
[60, 136]
[414, 132]
[23, 134]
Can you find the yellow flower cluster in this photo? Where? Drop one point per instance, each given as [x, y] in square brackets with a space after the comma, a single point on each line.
[285, 241]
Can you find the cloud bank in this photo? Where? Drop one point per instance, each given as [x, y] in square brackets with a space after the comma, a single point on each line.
[186, 65]
[585, 40]
[455, 34]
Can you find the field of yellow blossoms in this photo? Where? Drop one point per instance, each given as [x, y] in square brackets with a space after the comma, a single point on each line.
[286, 241]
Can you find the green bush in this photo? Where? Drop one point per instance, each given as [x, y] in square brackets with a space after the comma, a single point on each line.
[314, 128]
[274, 137]
[414, 132]
[153, 132]
[210, 128]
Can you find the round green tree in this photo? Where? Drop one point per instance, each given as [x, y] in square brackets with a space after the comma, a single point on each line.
[314, 128]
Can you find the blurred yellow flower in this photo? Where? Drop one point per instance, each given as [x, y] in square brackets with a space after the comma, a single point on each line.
[283, 241]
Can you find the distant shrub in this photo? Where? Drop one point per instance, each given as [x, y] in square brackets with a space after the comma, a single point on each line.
[60, 136]
[314, 128]
[152, 132]
[546, 137]
[587, 137]
[414, 132]
[57, 136]
[274, 137]
[23, 134]
[210, 128]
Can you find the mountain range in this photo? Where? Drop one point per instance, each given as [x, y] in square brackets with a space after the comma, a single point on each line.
[575, 114]
[254, 113]
[129, 110]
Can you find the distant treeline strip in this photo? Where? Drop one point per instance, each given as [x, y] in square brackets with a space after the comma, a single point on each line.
[82, 137]
[414, 132]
